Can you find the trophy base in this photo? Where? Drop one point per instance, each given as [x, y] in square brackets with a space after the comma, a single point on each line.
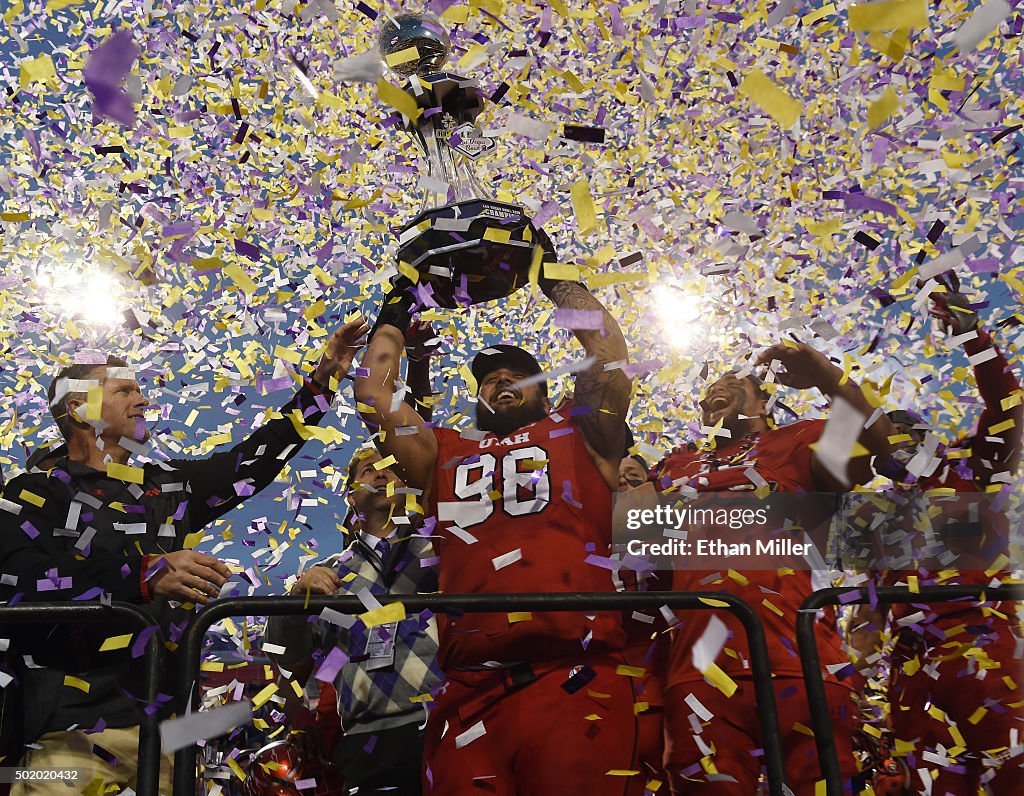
[472, 251]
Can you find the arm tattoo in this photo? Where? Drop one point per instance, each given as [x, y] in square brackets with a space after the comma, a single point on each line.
[604, 392]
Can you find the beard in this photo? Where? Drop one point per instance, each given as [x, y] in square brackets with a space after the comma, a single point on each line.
[503, 420]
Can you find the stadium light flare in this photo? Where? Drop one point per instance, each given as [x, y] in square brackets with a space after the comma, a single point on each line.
[679, 314]
[86, 293]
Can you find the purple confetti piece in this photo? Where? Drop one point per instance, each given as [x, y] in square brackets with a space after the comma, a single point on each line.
[139, 645]
[104, 71]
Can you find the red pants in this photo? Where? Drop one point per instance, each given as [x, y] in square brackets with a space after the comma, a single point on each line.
[959, 694]
[734, 733]
[538, 739]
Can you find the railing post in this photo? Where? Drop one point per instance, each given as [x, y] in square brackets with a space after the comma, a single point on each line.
[187, 692]
[811, 661]
[148, 779]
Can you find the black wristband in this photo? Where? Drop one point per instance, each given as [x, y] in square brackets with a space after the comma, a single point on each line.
[396, 309]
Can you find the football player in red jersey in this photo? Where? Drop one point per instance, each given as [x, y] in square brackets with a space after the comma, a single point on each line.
[533, 703]
[962, 659]
[713, 740]
[646, 640]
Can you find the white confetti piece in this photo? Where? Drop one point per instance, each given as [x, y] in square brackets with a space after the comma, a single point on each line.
[985, 19]
[710, 643]
[504, 560]
[470, 735]
[178, 733]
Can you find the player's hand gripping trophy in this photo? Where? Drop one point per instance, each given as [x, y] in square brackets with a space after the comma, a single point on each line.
[467, 246]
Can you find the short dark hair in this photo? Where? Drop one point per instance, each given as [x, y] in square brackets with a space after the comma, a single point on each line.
[353, 464]
[77, 372]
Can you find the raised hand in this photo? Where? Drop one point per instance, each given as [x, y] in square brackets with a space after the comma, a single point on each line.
[954, 312]
[803, 367]
[420, 341]
[341, 350]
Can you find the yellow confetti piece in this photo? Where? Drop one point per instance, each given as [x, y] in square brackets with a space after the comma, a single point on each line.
[912, 584]
[94, 403]
[770, 98]
[738, 577]
[630, 671]
[640, 707]
[561, 271]
[820, 789]
[520, 616]
[405, 56]
[394, 612]
[803, 729]
[809, 19]
[772, 606]
[583, 207]
[498, 235]
[37, 70]
[211, 666]
[206, 263]
[390, 461]
[977, 715]
[392, 95]
[883, 107]
[241, 278]
[593, 717]
[469, 378]
[720, 680]
[621, 772]
[896, 15]
[15, 216]
[714, 603]
[999, 428]
[315, 309]
[126, 472]
[32, 497]
[408, 271]
[288, 354]
[261, 698]
[116, 643]
[236, 769]
[75, 682]
[16, 8]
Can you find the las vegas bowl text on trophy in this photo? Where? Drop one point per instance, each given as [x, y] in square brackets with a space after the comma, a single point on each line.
[465, 244]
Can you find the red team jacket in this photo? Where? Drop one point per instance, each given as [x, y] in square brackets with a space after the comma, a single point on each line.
[521, 513]
[783, 458]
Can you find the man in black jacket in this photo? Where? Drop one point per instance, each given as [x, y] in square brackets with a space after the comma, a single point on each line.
[86, 524]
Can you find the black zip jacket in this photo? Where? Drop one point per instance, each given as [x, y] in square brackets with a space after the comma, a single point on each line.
[75, 533]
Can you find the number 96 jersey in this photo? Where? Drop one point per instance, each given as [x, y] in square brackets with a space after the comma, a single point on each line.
[521, 513]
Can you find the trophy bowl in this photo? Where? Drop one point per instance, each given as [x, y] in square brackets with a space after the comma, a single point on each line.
[424, 33]
[472, 251]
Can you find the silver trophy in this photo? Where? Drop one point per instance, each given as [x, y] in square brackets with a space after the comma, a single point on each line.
[466, 245]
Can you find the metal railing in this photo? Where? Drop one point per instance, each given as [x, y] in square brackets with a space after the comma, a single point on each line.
[187, 695]
[851, 595]
[152, 661]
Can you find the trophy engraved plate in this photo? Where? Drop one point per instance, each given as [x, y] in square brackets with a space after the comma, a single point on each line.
[466, 245]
